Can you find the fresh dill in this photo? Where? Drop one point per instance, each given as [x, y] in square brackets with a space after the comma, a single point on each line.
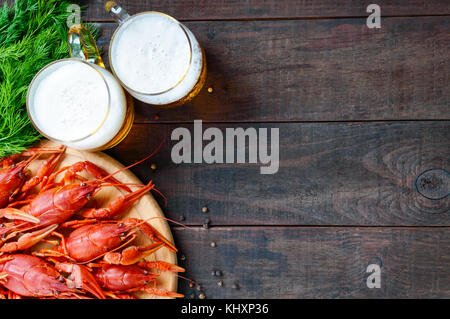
[33, 33]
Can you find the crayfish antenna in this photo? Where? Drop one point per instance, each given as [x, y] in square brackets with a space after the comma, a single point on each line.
[3, 276]
[71, 174]
[118, 205]
[161, 292]
[151, 232]
[5, 258]
[28, 240]
[70, 295]
[131, 255]
[125, 296]
[138, 162]
[162, 195]
[49, 253]
[16, 214]
[161, 265]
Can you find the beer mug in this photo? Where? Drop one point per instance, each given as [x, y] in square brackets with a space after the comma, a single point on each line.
[77, 102]
[157, 59]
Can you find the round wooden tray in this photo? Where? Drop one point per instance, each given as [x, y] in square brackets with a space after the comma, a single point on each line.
[145, 208]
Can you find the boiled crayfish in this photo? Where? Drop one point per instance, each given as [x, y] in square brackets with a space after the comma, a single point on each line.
[97, 259]
[30, 276]
[55, 204]
[14, 182]
[119, 280]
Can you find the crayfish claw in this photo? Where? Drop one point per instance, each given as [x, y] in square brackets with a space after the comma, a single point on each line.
[161, 265]
[162, 292]
[131, 255]
[16, 214]
[151, 233]
[81, 278]
[28, 240]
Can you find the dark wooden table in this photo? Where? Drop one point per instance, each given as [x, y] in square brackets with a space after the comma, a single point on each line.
[364, 148]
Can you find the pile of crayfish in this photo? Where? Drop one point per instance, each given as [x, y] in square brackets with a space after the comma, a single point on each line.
[97, 258]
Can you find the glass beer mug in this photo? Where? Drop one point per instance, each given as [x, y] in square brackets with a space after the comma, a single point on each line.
[77, 102]
[157, 59]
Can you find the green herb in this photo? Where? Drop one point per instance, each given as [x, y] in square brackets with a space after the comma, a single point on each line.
[33, 33]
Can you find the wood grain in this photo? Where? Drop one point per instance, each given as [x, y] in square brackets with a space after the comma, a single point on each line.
[317, 70]
[257, 9]
[330, 174]
[285, 61]
[326, 262]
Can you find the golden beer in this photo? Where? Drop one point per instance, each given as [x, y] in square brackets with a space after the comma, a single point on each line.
[157, 59]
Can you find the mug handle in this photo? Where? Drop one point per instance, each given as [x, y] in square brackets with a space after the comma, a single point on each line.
[82, 45]
[117, 12]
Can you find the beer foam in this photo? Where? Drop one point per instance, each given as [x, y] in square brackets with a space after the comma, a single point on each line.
[70, 101]
[151, 53]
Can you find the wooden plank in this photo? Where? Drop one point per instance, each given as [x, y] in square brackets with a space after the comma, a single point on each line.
[317, 70]
[257, 9]
[326, 262]
[330, 174]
